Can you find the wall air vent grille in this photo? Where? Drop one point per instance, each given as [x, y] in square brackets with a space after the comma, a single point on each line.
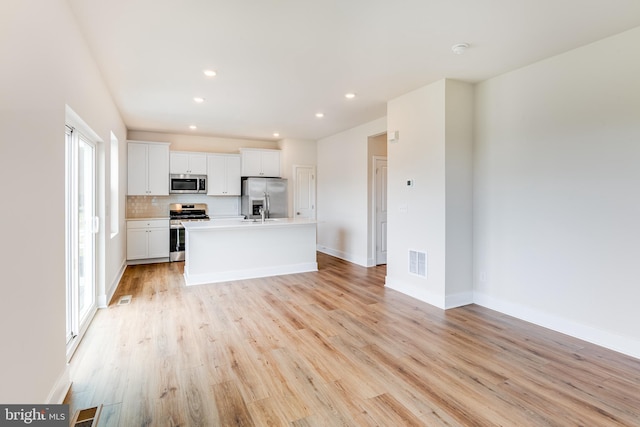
[418, 263]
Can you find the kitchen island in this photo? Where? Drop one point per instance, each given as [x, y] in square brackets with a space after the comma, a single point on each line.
[226, 250]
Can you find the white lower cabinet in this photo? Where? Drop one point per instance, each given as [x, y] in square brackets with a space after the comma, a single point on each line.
[147, 239]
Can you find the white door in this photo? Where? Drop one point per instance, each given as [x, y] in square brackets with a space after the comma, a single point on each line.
[304, 202]
[82, 226]
[381, 210]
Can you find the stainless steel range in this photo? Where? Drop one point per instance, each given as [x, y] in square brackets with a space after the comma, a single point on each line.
[179, 213]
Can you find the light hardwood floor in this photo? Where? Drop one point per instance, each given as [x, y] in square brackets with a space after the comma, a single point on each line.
[332, 348]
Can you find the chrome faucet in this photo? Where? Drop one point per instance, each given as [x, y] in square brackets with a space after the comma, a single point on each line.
[262, 214]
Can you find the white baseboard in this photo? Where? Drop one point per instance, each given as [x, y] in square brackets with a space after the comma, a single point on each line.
[612, 341]
[60, 388]
[343, 255]
[421, 294]
[147, 261]
[458, 300]
[254, 273]
[104, 300]
[609, 340]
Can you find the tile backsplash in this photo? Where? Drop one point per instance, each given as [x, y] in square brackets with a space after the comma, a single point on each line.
[158, 206]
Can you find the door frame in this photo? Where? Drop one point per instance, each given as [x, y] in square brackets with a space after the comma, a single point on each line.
[73, 121]
[374, 203]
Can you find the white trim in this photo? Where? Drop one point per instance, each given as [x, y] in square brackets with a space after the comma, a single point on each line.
[374, 215]
[74, 120]
[458, 300]
[421, 294]
[75, 341]
[60, 388]
[104, 300]
[615, 342]
[609, 340]
[364, 262]
[226, 276]
[147, 261]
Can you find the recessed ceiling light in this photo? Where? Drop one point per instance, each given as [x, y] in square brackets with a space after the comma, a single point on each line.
[276, 134]
[460, 48]
[193, 127]
[209, 73]
[198, 99]
[319, 115]
[350, 95]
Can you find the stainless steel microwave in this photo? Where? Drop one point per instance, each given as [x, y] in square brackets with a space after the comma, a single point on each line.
[188, 184]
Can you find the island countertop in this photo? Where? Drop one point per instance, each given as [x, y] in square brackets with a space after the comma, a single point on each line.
[245, 223]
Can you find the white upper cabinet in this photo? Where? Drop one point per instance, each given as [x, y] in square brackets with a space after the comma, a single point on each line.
[223, 174]
[260, 162]
[148, 169]
[188, 163]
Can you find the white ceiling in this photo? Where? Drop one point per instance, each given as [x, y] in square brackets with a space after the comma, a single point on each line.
[281, 61]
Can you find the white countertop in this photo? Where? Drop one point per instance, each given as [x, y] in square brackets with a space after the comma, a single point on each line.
[236, 223]
[147, 218]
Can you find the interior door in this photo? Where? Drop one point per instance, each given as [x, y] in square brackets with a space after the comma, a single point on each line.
[304, 202]
[381, 210]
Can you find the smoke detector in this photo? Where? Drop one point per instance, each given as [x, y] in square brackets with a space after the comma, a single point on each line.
[460, 48]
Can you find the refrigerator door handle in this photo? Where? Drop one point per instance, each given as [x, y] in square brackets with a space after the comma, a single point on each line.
[267, 207]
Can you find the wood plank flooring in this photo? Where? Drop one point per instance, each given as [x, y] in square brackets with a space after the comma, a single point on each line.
[334, 348]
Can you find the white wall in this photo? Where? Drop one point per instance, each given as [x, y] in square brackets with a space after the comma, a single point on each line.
[343, 163]
[459, 192]
[434, 216]
[45, 65]
[556, 201]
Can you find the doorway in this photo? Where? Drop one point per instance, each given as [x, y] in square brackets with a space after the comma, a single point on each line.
[82, 225]
[380, 209]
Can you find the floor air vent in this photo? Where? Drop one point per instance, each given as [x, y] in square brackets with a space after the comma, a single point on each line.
[86, 417]
[124, 300]
[418, 263]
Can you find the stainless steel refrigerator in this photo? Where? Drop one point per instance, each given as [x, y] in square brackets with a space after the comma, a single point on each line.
[269, 194]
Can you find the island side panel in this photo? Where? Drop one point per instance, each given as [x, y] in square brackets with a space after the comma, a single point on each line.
[225, 254]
